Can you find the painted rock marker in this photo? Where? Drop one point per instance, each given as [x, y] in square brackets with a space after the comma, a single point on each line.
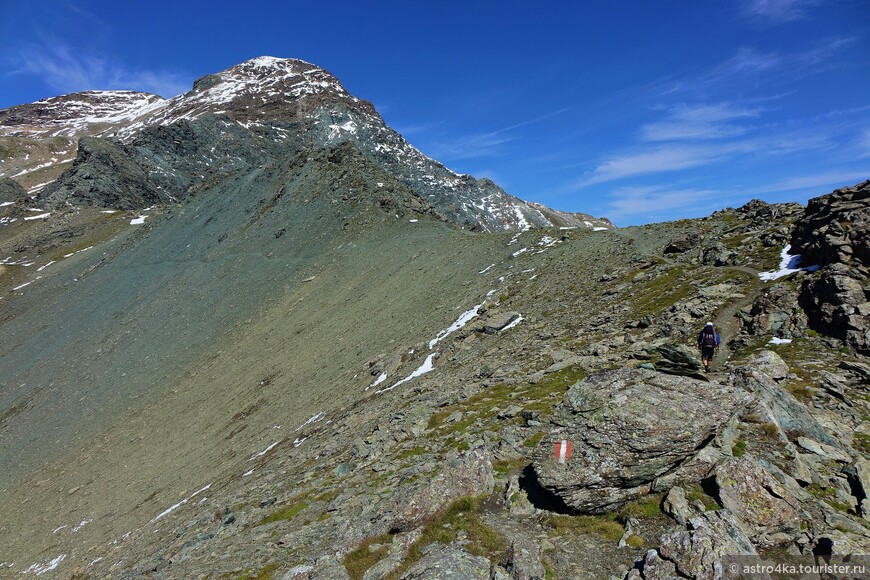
[563, 450]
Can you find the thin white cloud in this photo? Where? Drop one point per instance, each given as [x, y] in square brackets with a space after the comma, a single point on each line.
[690, 154]
[481, 144]
[749, 67]
[68, 71]
[467, 147]
[658, 160]
[629, 203]
[705, 121]
[750, 61]
[777, 11]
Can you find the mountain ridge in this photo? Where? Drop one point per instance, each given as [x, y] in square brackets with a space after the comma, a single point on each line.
[275, 100]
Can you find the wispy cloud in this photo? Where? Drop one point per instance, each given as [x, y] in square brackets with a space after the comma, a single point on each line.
[704, 121]
[481, 144]
[467, 147]
[629, 203]
[690, 153]
[658, 160]
[750, 67]
[68, 70]
[777, 11]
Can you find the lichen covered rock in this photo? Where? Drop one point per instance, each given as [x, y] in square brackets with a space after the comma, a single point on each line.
[629, 428]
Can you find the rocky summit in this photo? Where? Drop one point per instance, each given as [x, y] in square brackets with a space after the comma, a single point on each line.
[135, 149]
[251, 332]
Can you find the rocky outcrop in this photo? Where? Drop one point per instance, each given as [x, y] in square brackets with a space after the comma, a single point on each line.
[771, 364]
[837, 304]
[770, 514]
[632, 430]
[104, 175]
[834, 228]
[696, 552]
[468, 475]
[776, 312]
[678, 359]
[788, 414]
[11, 190]
[451, 562]
[763, 213]
[835, 233]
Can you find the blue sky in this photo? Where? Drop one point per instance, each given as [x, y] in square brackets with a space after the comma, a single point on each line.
[638, 111]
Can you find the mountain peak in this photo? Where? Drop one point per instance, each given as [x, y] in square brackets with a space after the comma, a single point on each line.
[276, 105]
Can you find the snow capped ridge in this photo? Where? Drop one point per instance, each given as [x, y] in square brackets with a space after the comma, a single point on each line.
[272, 102]
[73, 114]
[273, 62]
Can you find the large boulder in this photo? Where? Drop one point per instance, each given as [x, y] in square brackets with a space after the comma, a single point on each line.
[769, 513]
[775, 312]
[771, 364]
[631, 430]
[836, 303]
[681, 355]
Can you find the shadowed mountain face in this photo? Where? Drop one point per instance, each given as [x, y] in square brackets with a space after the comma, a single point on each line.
[251, 332]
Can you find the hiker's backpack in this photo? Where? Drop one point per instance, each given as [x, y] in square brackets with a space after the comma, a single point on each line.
[708, 339]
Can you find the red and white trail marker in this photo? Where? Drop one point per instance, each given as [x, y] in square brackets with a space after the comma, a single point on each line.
[563, 450]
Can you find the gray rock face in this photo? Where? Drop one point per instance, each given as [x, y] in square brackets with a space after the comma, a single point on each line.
[790, 414]
[631, 428]
[680, 354]
[494, 324]
[698, 551]
[762, 212]
[835, 233]
[777, 313]
[11, 190]
[718, 255]
[523, 560]
[771, 364]
[676, 505]
[104, 175]
[449, 562]
[470, 474]
[678, 359]
[681, 244]
[835, 304]
[770, 514]
[834, 227]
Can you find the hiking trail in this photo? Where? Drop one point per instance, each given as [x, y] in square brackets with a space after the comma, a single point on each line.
[726, 322]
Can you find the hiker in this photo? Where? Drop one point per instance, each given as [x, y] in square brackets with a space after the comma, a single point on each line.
[708, 342]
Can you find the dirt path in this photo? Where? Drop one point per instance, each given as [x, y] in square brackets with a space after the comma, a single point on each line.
[727, 324]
